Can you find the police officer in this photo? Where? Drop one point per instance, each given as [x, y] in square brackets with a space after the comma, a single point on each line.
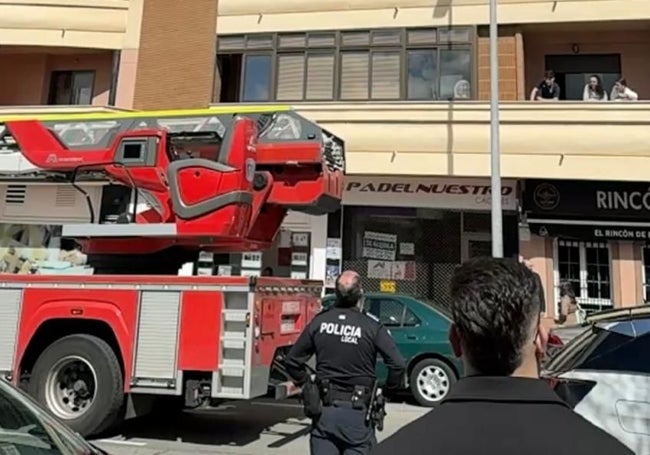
[345, 342]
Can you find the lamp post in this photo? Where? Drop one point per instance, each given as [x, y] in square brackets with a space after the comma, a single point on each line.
[495, 154]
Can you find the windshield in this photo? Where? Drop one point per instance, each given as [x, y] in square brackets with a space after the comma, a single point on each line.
[26, 428]
[574, 351]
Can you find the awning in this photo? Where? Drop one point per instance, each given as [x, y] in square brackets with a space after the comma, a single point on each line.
[591, 229]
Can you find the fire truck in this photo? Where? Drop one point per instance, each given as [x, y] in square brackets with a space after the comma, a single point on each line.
[95, 321]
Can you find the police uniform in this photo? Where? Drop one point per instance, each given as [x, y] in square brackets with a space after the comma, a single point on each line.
[502, 415]
[346, 343]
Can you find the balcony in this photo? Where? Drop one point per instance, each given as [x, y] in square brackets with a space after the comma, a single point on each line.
[236, 16]
[98, 24]
[538, 140]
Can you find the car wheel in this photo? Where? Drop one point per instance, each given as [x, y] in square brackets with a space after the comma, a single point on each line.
[78, 379]
[430, 381]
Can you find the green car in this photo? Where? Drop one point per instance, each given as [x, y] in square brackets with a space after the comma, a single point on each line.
[421, 332]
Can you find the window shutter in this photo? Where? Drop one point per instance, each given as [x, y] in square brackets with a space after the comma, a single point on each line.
[291, 70]
[354, 75]
[385, 75]
[320, 77]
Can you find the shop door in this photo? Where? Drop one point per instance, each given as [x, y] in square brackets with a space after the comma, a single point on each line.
[475, 245]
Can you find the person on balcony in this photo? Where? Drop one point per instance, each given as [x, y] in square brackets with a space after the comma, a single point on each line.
[594, 90]
[621, 92]
[547, 90]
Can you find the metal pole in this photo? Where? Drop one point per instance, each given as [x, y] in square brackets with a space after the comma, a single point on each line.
[495, 154]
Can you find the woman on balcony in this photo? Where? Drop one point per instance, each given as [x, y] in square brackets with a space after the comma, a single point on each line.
[594, 90]
[621, 92]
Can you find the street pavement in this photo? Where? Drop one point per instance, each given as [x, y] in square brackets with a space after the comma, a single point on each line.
[240, 428]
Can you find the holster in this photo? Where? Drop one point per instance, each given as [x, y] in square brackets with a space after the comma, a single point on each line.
[311, 398]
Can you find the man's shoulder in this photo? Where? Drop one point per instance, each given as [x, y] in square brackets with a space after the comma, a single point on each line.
[593, 438]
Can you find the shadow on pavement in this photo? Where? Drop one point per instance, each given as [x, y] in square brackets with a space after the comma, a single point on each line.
[237, 425]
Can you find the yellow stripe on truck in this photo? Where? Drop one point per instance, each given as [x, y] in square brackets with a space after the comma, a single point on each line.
[227, 109]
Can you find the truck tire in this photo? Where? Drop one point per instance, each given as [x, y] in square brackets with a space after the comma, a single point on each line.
[430, 381]
[78, 379]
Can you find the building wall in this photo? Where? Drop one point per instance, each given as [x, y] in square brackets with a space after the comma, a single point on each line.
[97, 24]
[237, 16]
[28, 80]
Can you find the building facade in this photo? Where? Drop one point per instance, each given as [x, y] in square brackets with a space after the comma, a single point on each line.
[406, 85]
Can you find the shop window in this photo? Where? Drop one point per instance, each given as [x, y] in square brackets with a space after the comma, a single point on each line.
[71, 87]
[587, 266]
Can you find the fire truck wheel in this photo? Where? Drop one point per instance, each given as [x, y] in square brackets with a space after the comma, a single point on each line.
[78, 378]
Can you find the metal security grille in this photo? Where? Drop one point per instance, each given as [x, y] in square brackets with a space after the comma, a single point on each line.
[436, 253]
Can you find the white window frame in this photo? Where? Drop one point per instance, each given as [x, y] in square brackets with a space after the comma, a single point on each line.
[644, 277]
[583, 245]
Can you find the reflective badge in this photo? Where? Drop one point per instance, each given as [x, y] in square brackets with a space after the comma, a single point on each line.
[342, 317]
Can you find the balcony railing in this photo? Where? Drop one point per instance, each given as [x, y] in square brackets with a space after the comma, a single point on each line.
[604, 141]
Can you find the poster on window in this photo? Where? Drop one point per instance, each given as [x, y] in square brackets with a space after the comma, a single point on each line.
[379, 270]
[251, 260]
[377, 245]
[403, 270]
[331, 273]
[392, 270]
[407, 248]
[299, 259]
[333, 250]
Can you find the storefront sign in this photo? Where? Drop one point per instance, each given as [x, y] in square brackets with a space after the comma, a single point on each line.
[597, 232]
[435, 192]
[596, 200]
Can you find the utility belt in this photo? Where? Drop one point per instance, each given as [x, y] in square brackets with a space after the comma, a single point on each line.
[319, 393]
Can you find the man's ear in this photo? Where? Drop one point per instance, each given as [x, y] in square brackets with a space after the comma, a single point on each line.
[541, 341]
[454, 340]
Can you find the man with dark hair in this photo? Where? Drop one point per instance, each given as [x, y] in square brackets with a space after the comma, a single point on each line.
[346, 343]
[501, 407]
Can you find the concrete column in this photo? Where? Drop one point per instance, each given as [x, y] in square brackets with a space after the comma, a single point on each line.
[627, 276]
[539, 251]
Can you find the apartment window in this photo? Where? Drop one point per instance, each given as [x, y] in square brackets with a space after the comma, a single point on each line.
[360, 65]
[257, 78]
[72, 87]
[587, 266]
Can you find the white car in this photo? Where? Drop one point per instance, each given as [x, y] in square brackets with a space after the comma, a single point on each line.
[604, 374]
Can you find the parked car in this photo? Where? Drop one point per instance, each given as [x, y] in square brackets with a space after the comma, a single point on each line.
[604, 374]
[26, 428]
[421, 331]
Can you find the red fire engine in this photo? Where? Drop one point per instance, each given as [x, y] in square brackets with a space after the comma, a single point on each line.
[141, 194]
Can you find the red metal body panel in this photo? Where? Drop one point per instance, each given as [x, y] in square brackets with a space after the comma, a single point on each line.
[200, 330]
[209, 205]
[134, 279]
[117, 308]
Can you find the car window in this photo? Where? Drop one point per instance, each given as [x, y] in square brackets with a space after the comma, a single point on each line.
[616, 352]
[410, 319]
[390, 312]
[573, 352]
[23, 423]
[23, 431]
